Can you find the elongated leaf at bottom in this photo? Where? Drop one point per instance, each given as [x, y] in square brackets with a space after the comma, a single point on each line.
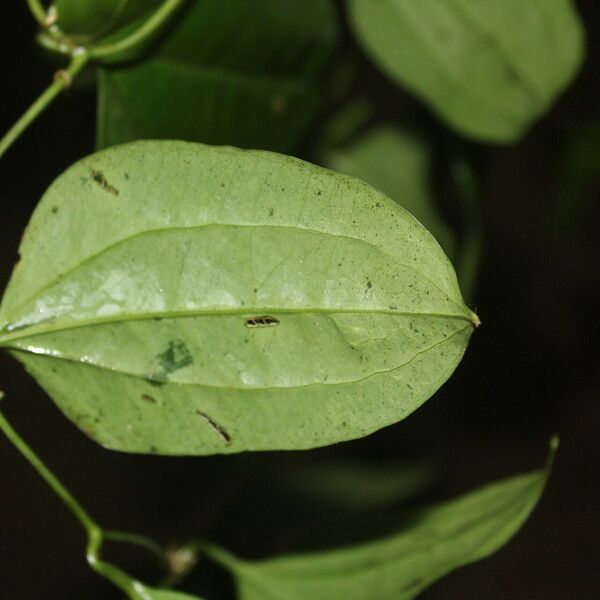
[436, 541]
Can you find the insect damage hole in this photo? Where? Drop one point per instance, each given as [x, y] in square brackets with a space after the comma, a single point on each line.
[263, 321]
[98, 177]
[218, 429]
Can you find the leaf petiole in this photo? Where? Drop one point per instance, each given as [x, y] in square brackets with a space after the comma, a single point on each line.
[95, 534]
[38, 11]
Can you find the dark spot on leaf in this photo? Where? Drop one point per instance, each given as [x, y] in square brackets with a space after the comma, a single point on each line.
[511, 73]
[148, 398]
[218, 429]
[98, 177]
[175, 357]
[392, 307]
[54, 210]
[271, 212]
[369, 284]
[318, 192]
[155, 382]
[263, 321]
[127, 176]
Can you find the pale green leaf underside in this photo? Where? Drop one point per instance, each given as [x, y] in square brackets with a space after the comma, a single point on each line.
[143, 263]
[488, 68]
[436, 541]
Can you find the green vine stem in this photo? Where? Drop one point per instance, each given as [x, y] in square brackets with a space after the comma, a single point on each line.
[140, 35]
[62, 80]
[38, 11]
[95, 534]
[80, 56]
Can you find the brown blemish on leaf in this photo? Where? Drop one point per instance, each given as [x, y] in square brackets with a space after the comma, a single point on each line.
[218, 429]
[262, 321]
[98, 177]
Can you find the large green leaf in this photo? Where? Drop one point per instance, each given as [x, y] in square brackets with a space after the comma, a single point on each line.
[434, 542]
[488, 67]
[185, 299]
[399, 165]
[243, 73]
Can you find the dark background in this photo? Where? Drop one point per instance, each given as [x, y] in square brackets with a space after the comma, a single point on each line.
[531, 370]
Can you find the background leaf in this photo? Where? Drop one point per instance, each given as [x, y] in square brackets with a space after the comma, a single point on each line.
[434, 542]
[488, 68]
[150, 272]
[358, 486]
[243, 73]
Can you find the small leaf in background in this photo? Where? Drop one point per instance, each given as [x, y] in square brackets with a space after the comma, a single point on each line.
[399, 165]
[434, 542]
[488, 68]
[177, 298]
[358, 486]
[243, 73]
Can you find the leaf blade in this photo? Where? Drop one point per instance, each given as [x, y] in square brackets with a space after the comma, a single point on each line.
[365, 309]
[487, 68]
[437, 541]
[228, 89]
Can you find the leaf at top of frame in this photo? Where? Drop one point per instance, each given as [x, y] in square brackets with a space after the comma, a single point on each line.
[239, 73]
[177, 298]
[488, 68]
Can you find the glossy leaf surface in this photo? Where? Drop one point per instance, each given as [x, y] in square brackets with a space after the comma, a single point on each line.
[399, 165]
[184, 299]
[436, 541]
[243, 73]
[488, 68]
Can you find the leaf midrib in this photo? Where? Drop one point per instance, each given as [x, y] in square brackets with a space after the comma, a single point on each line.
[41, 329]
[65, 274]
